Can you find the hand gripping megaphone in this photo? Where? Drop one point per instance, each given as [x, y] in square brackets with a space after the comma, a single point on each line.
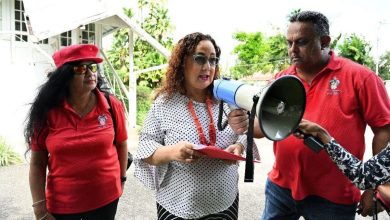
[279, 107]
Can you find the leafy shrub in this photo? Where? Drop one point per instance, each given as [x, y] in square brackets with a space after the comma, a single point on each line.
[143, 103]
[7, 155]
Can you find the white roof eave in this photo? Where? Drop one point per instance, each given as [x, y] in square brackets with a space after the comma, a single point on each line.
[49, 18]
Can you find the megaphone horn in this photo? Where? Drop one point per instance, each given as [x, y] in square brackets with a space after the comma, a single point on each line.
[280, 107]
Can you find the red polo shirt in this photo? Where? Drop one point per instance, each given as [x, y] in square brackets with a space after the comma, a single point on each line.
[84, 171]
[343, 98]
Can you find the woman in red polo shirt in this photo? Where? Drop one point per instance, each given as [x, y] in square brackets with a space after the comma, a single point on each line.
[70, 132]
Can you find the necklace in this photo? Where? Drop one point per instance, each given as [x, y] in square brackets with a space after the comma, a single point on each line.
[212, 131]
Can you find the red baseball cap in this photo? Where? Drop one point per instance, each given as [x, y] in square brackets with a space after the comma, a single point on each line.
[78, 52]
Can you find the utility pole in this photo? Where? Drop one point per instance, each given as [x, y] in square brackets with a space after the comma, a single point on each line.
[380, 23]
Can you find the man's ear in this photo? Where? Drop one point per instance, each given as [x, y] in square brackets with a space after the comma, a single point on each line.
[325, 42]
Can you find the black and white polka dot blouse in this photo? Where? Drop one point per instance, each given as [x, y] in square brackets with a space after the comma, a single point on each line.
[186, 190]
[367, 175]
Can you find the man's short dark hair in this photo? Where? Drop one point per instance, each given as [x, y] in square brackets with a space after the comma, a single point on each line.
[321, 23]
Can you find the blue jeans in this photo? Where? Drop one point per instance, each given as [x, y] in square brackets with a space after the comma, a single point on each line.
[279, 204]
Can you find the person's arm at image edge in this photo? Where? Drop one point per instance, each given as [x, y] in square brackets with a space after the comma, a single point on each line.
[361, 174]
[122, 156]
[381, 136]
[380, 139]
[37, 180]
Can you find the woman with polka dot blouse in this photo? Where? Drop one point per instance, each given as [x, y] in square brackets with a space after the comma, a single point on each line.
[189, 185]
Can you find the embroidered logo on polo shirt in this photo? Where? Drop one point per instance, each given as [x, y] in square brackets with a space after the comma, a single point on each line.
[333, 85]
[102, 120]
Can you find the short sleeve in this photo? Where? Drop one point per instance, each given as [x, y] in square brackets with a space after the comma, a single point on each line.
[38, 141]
[151, 138]
[374, 101]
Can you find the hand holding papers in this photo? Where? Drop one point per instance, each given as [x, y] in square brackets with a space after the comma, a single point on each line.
[218, 153]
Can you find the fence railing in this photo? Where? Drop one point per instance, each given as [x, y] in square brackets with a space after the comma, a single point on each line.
[115, 84]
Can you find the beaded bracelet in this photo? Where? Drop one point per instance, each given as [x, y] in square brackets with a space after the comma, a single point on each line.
[38, 202]
[44, 216]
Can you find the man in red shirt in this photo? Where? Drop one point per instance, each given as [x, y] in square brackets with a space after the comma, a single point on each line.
[341, 96]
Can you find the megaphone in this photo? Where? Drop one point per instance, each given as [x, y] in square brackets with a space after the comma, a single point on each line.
[280, 107]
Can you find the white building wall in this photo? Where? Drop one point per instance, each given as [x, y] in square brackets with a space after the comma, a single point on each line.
[24, 68]
[1, 15]
[22, 71]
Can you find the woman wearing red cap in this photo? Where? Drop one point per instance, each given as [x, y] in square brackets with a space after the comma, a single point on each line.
[70, 132]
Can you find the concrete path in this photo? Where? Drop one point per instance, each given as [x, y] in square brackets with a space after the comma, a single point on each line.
[137, 202]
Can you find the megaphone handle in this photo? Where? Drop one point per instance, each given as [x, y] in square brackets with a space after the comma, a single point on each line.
[312, 142]
[249, 166]
[221, 126]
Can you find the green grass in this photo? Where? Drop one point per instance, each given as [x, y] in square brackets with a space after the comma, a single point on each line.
[7, 155]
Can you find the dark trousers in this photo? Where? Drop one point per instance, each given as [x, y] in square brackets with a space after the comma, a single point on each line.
[106, 212]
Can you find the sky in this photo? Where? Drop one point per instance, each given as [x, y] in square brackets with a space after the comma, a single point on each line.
[221, 19]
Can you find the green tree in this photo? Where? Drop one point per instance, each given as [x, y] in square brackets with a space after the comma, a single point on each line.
[152, 16]
[356, 49]
[278, 55]
[384, 66]
[154, 19]
[250, 53]
[255, 53]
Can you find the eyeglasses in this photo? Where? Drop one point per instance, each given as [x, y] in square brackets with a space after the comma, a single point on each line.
[82, 68]
[201, 60]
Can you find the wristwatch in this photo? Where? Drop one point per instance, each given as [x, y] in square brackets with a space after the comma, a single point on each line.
[123, 179]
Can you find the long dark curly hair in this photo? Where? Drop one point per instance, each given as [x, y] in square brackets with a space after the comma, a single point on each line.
[50, 95]
[174, 77]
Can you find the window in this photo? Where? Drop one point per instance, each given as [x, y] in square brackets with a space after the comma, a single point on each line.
[20, 22]
[44, 41]
[66, 38]
[88, 34]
